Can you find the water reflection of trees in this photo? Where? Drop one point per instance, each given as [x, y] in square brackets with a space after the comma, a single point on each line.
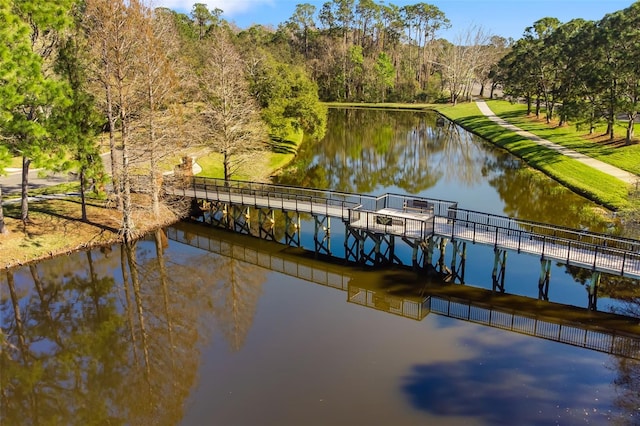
[80, 347]
[367, 149]
[529, 195]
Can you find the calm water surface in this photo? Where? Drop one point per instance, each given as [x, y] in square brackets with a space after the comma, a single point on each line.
[197, 326]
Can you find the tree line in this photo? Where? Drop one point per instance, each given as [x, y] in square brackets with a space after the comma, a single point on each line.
[584, 71]
[362, 50]
[152, 82]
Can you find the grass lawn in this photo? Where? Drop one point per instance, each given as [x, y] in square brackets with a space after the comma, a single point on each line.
[282, 152]
[596, 145]
[581, 178]
[56, 228]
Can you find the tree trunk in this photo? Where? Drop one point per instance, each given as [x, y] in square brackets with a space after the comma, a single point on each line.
[611, 119]
[154, 172]
[111, 116]
[160, 239]
[3, 228]
[630, 130]
[83, 201]
[127, 307]
[227, 167]
[24, 206]
[127, 207]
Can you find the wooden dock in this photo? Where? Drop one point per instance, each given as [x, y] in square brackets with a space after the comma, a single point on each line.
[420, 219]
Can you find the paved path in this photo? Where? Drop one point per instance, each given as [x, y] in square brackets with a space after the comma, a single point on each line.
[592, 162]
[12, 180]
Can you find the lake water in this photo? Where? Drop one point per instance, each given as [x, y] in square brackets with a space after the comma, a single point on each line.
[199, 326]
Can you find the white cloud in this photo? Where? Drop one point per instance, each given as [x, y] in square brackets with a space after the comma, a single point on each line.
[229, 7]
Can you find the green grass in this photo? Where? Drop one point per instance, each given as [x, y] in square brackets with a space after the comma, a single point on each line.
[285, 150]
[61, 188]
[385, 105]
[626, 157]
[585, 180]
[16, 163]
[211, 165]
[282, 152]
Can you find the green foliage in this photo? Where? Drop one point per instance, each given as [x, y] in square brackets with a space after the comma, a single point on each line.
[76, 125]
[289, 99]
[590, 69]
[384, 75]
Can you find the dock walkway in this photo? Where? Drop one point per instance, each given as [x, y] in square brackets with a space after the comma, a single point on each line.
[419, 219]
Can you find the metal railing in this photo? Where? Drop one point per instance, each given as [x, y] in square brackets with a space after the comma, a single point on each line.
[572, 246]
[392, 224]
[594, 338]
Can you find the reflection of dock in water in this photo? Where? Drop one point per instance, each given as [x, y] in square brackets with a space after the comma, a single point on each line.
[402, 292]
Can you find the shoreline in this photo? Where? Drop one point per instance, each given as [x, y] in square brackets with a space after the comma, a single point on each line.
[25, 245]
[34, 242]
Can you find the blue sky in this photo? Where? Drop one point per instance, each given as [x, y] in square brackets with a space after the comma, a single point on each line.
[507, 18]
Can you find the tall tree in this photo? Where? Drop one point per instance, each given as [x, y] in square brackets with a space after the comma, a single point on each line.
[203, 18]
[157, 86]
[76, 125]
[619, 34]
[546, 69]
[114, 27]
[459, 61]
[230, 113]
[32, 35]
[303, 25]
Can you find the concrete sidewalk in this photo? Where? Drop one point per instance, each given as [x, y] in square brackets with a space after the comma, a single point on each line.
[591, 162]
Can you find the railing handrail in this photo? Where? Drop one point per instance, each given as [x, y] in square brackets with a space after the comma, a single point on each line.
[541, 225]
[347, 199]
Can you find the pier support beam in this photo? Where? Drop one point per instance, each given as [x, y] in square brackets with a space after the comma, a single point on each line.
[292, 228]
[266, 222]
[218, 214]
[592, 291]
[241, 219]
[543, 282]
[458, 260]
[499, 267]
[353, 244]
[442, 248]
[322, 235]
[419, 256]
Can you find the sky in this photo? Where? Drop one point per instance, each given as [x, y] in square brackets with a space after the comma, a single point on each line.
[506, 18]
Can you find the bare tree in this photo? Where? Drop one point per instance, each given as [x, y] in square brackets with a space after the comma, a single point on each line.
[230, 114]
[459, 61]
[114, 26]
[157, 86]
[101, 20]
